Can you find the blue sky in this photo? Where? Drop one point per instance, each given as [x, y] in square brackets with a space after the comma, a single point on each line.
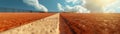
[78, 6]
[19, 4]
[15, 4]
[51, 5]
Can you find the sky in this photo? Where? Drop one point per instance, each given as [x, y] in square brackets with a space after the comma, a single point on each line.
[77, 6]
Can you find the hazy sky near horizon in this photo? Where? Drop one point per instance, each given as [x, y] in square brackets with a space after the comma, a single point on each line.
[79, 6]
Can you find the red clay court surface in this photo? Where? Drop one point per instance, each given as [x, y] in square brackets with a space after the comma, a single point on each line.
[74, 23]
[12, 20]
[70, 23]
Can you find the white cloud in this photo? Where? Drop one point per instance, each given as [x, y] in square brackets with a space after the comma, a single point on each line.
[113, 7]
[76, 8]
[76, 1]
[35, 3]
[60, 7]
[101, 6]
[73, 1]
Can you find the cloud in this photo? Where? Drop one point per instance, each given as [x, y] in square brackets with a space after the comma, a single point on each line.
[77, 8]
[99, 6]
[82, 2]
[78, 2]
[113, 7]
[35, 4]
[60, 7]
[73, 1]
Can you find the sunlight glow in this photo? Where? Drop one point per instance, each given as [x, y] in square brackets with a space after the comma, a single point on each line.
[104, 2]
[97, 6]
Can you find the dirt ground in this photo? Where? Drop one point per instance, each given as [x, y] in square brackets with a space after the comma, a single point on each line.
[74, 23]
[60, 23]
[48, 25]
[12, 20]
